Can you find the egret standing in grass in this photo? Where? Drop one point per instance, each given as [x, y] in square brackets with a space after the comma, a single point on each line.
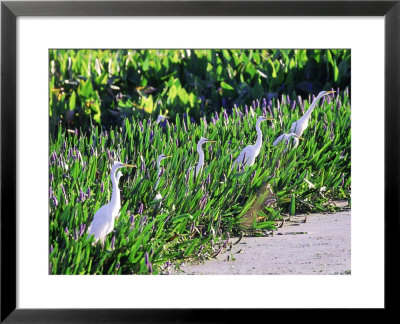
[250, 152]
[161, 118]
[103, 220]
[159, 173]
[199, 166]
[300, 125]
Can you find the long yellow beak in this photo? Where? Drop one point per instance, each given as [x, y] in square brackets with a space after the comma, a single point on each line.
[329, 92]
[211, 141]
[168, 156]
[129, 165]
[269, 118]
[301, 138]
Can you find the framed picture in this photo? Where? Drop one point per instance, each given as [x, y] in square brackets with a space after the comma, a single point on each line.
[59, 78]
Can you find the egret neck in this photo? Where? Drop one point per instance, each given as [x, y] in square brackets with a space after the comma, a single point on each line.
[115, 196]
[258, 144]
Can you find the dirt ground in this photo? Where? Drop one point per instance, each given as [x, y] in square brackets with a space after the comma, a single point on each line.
[321, 245]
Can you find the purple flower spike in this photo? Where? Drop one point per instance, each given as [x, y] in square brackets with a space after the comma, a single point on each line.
[113, 243]
[132, 218]
[293, 105]
[146, 258]
[213, 120]
[55, 201]
[53, 157]
[102, 187]
[82, 229]
[140, 210]
[203, 202]
[149, 122]
[246, 110]
[252, 176]
[82, 196]
[225, 115]
[66, 231]
[65, 195]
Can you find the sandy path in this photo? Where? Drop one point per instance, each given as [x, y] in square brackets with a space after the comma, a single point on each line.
[324, 248]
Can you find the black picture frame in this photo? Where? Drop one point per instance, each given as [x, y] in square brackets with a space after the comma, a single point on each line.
[10, 10]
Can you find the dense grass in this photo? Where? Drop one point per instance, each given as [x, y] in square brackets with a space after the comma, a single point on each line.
[197, 215]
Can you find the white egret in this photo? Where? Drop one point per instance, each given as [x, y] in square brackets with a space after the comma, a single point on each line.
[250, 152]
[199, 166]
[286, 138]
[300, 125]
[159, 159]
[160, 118]
[103, 220]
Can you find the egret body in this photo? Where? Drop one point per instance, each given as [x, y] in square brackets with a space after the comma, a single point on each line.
[286, 138]
[103, 220]
[250, 152]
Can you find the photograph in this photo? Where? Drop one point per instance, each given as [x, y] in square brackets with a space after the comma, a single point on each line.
[199, 161]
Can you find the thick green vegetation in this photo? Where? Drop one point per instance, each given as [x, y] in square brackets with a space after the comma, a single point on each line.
[197, 215]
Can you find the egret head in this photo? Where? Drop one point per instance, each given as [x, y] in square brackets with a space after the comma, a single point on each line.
[263, 118]
[162, 157]
[204, 140]
[118, 165]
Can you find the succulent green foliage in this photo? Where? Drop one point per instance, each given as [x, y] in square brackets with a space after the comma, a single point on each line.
[197, 215]
[107, 86]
